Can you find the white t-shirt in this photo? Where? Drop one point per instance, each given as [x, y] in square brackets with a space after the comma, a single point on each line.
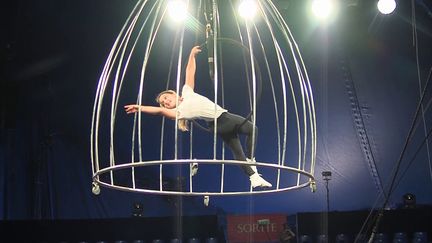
[196, 106]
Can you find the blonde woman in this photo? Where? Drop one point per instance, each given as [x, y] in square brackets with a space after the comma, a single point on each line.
[191, 105]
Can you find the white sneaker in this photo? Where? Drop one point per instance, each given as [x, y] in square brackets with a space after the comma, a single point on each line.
[252, 161]
[193, 169]
[257, 180]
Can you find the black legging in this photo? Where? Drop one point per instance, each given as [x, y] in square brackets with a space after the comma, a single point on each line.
[229, 126]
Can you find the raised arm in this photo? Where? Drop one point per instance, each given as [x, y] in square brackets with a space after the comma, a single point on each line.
[152, 110]
[191, 67]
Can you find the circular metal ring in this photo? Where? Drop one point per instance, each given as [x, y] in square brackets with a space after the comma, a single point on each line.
[161, 191]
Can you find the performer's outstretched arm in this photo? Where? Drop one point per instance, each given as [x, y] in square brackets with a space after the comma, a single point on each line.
[191, 67]
[152, 110]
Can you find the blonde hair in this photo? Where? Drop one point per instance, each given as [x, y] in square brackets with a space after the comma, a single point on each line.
[182, 123]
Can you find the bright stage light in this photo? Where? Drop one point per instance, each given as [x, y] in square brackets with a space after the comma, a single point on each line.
[386, 6]
[177, 10]
[248, 9]
[323, 9]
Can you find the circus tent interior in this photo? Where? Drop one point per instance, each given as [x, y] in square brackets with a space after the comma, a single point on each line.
[344, 129]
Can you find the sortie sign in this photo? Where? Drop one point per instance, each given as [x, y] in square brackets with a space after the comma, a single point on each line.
[255, 228]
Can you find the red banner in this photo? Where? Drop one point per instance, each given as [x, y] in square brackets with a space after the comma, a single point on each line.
[255, 228]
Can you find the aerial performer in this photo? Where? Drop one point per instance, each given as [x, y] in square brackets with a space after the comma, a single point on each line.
[191, 106]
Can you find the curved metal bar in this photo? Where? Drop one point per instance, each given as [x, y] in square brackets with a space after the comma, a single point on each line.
[178, 193]
[201, 161]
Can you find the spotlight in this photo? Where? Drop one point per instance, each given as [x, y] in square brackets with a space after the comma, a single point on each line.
[323, 9]
[248, 9]
[409, 200]
[177, 10]
[326, 175]
[137, 210]
[386, 6]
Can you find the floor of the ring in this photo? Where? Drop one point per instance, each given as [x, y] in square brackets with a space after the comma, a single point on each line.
[399, 225]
